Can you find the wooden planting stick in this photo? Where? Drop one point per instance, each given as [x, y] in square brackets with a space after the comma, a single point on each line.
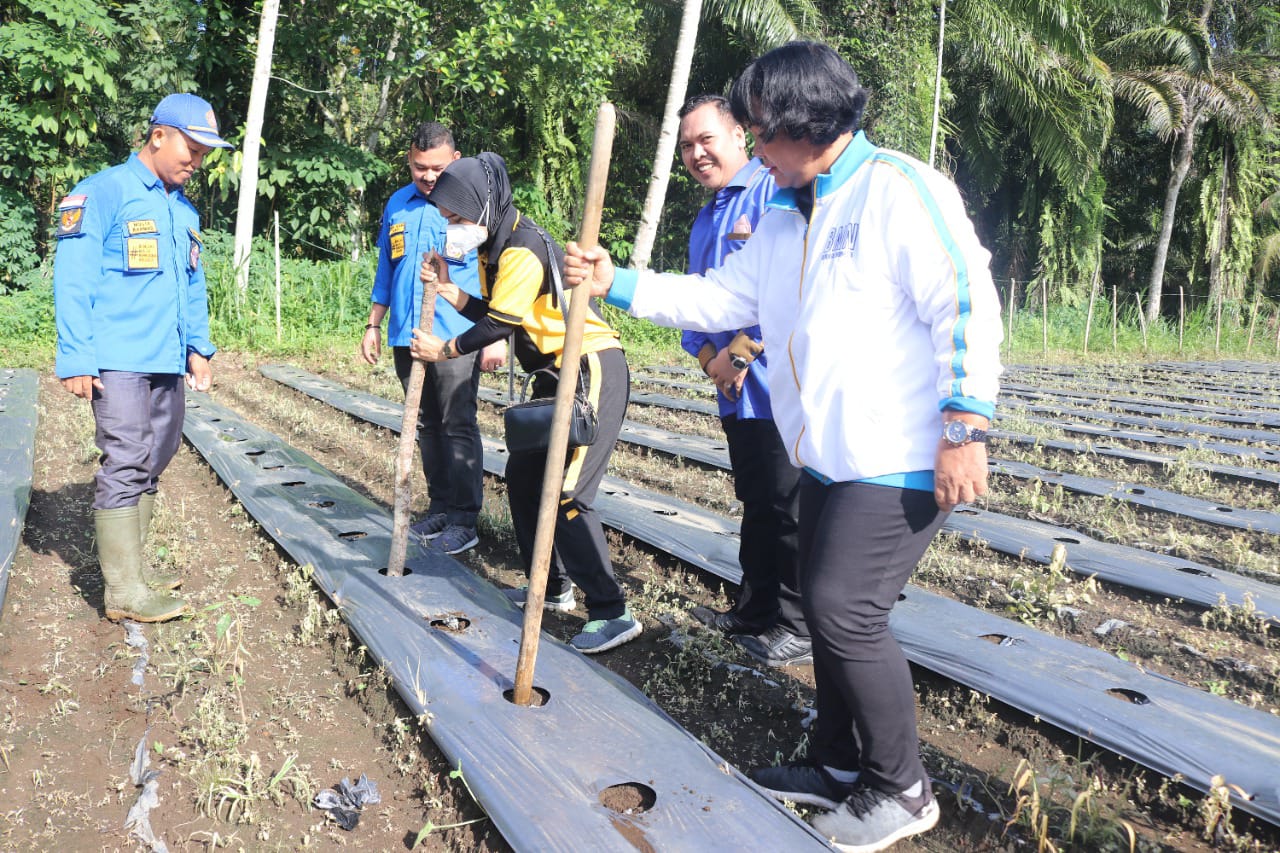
[557, 446]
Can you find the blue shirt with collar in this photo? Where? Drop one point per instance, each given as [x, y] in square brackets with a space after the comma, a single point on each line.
[714, 237]
[128, 283]
[410, 226]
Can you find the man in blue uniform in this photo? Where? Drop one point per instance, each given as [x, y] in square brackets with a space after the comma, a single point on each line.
[448, 435]
[767, 616]
[132, 318]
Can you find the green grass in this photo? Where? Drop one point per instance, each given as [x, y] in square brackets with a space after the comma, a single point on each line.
[324, 305]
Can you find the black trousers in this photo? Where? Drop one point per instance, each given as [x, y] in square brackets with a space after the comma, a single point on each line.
[580, 554]
[448, 435]
[859, 544]
[769, 487]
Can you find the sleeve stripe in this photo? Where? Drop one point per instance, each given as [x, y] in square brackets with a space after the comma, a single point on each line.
[958, 265]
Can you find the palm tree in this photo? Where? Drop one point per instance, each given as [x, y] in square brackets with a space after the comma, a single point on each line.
[1180, 81]
[765, 23]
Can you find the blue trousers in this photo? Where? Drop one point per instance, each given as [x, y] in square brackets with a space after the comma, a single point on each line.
[138, 427]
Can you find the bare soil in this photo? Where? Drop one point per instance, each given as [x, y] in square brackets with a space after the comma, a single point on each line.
[263, 698]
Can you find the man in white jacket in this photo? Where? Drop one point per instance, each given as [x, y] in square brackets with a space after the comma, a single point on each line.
[868, 280]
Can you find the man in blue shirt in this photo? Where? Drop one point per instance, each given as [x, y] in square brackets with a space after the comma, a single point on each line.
[448, 435]
[767, 616]
[133, 318]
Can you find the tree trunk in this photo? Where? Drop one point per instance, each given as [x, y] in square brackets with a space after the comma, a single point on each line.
[253, 141]
[1186, 145]
[1218, 238]
[667, 136]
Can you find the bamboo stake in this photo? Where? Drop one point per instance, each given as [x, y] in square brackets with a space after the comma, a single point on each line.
[557, 446]
[409, 437]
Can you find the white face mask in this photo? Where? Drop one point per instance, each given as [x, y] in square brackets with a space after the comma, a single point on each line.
[462, 238]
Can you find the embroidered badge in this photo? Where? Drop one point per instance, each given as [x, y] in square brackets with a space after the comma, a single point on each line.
[141, 226]
[142, 253]
[71, 215]
[397, 228]
[196, 245]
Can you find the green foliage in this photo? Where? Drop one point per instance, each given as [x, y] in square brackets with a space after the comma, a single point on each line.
[319, 301]
[17, 246]
[26, 319]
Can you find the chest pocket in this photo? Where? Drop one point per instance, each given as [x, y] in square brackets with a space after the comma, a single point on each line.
[141, 245]
[396, 235]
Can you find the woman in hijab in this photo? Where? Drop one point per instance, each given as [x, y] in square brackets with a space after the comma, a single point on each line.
[519, 279]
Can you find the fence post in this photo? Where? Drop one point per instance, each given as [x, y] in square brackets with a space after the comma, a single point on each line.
[1115, 320]
[276, 213]
[1142, 321]
[1182, 315]
[1013, 295]
[1253, 322]
[1093, 293]
[1217, 335]
[1044, 318]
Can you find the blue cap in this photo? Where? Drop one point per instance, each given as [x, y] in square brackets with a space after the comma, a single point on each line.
[192, 115]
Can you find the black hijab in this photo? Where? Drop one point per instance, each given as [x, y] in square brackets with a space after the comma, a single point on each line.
[479, 190]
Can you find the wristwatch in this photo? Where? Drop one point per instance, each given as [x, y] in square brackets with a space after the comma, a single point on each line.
[446, 351]
[958, 433]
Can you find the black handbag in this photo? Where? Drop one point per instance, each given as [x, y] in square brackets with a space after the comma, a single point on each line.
[528, 423]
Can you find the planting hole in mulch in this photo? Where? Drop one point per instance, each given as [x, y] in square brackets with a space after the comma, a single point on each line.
[1129, 695]
[383, 571]
[352, 535]
[455, 623]
[628, 798]
[320, 504]
[539, 696]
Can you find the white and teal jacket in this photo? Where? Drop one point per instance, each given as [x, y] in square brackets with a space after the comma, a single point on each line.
[878, 312]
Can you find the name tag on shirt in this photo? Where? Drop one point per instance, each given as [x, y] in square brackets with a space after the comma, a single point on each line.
[142, 253]
[142, 226]
[397, 246]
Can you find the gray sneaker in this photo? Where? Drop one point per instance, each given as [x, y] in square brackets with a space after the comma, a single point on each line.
[430, 526]
[870, 819]
[777, 647]
[561, 603]
[455, 539]
[802, 783]
[600, 635]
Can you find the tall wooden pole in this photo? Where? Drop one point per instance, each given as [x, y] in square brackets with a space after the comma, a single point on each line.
[409, 437]
[557, 446]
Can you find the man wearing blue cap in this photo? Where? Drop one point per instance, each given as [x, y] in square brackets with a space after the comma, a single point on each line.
[133, 318]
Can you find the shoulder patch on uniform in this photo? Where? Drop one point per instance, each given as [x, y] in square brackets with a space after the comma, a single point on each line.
[71, 215]
[193, 257]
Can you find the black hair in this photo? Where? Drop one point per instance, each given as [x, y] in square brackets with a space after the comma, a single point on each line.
[432, 134]
[721, 102]
[803, 89]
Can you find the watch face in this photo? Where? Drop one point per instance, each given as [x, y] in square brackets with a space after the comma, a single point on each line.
[956, 432]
